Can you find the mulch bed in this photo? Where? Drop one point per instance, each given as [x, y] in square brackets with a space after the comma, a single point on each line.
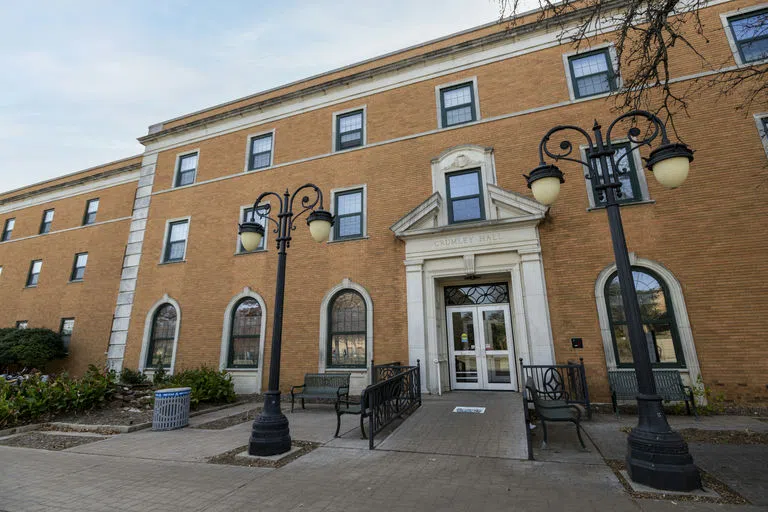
[697, 435]
[229, 421]
[109, 415]
[43, 441]
[231, 459]
[727, 495]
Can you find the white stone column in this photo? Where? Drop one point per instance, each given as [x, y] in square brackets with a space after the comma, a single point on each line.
[417, 347]
[542, 349]
[520, 327]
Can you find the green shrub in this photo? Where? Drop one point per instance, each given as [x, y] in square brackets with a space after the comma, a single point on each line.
[36, 397]
[208, 385]
[132, 377]
[160, 376]
[32, 348]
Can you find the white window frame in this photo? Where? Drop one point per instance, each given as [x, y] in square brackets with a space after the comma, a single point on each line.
[176, 169]
[464, 158]
[761, 120]
[336, 191]
[439, 103]
[166, 234]
[614, 62]
[645, 196]
[148, 333]
[338, 113]
[245, 373]
[357, 373]
[266, 233]
[729, 33]
[679, 309]
[248, 141]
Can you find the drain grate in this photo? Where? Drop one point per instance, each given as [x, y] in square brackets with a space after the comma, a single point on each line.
[470, 410]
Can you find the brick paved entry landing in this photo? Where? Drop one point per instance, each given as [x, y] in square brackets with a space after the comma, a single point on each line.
[435, 428]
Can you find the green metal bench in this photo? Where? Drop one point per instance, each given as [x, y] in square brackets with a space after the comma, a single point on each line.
[321, 386]
[669, 385]
[362, 408]
[555, 411]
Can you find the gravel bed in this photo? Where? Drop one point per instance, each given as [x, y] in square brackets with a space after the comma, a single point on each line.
[697, 435]
[727, 495]
[43, 441]
[230, 457]
[229, 421]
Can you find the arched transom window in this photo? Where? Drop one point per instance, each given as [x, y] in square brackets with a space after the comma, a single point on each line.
[346, 331]
[245, 336]
[656, 315]
[163, 335]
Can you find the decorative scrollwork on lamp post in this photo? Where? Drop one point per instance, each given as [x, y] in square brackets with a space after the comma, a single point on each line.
[656, 455]
[270, 434]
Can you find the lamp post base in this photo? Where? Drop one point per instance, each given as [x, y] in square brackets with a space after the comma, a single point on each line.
[270, 434]
[657, 456]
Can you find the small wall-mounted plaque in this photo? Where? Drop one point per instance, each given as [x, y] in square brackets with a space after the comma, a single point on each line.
[471, 410]
[577, 343]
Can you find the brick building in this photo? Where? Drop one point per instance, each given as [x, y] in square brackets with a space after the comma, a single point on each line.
[439, 251]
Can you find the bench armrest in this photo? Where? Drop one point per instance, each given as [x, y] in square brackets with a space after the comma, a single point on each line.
[342, 391]
[293, 388]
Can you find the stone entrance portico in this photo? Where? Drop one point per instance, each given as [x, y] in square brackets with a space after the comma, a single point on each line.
[504, 247]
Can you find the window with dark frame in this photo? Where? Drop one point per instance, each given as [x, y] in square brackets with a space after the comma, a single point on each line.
[656, 315]
[78, 267]
[186, 170]
[349, 130]
[22, 324]
[259, 218]
[162, 338]
[8, 229]
[65, 331]
[630, 184]
[347, 331]
[592, 73]
[261, 152]
[465, 200]
[349, 211]
[34, 272]
[750, 33]
[176, 243]
[245, 335]
[45, 225]
[91, 208]
[457, 104]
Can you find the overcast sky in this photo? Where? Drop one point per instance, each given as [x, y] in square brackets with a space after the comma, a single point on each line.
[81, 80]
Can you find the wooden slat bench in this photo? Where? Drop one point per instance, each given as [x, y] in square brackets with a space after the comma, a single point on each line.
[669, 385]
[321, 386]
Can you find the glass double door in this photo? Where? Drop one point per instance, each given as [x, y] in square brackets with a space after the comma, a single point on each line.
[480, 346]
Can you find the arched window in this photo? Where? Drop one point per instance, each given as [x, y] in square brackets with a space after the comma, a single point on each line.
[245, 335]
[656, 315]
[346, 331]
[160, 350]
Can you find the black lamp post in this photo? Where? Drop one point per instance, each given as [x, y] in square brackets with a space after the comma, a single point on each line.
[270, 434]
[657, 456]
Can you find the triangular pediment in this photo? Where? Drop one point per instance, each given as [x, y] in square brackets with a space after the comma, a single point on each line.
[424, 216]
[511, 205]
[508, 208]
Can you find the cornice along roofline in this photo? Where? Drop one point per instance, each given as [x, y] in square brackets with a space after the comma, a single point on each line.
[370, 73]
[68, 184]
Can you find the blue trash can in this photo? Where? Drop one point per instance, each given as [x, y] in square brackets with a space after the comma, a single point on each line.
[171, 408]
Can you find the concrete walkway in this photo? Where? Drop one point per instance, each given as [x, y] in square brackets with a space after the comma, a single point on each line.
[436, 460]
[435, 428]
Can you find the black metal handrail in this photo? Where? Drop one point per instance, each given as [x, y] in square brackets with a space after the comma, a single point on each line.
[559, 382]
[385, 371]
[391, 398]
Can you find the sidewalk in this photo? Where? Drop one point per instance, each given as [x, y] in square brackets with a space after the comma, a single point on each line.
[416, 468]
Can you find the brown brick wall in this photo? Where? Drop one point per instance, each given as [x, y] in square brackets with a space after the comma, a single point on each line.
[92, 301]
